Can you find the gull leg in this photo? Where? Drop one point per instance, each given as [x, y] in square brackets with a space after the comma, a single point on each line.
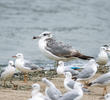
[104, 91]
[25, 77]
[4, 83]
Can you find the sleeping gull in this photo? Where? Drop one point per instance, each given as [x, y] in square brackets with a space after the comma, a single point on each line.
[75, 94]
[51, 91]
[102, 57]
[69, 83]
[8, 72]
[57, 50]
[36, 94]
[107, 96]
[61, 69]
[88, 72]
[24, 65]
[102, 81]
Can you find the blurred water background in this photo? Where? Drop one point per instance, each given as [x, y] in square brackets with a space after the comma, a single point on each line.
[84, 24]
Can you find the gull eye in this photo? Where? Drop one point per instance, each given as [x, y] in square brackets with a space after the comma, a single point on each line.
[45, 34]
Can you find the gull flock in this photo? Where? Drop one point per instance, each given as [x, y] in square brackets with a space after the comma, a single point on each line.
[76, 80]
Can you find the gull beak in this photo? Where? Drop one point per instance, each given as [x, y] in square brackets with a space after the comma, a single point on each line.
[14, 56]
[36, 37]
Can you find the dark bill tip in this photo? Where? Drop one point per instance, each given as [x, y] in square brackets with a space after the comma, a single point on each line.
[34, 37]
[14, 56]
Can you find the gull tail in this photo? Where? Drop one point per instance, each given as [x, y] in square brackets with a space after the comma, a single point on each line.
[85, 57]
[75, 78]
[90, 84]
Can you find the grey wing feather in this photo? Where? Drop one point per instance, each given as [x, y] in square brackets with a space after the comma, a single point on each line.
[103, 78]
[53, 93]
[59, 49]
[72, 71]
[69, 95]
[70, 84]
[2, 70]
[85, 73]
[30, 65]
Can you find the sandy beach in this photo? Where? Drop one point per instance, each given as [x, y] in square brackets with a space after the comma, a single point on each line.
[24, 90]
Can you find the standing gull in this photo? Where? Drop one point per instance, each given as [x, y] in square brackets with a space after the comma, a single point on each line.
[69, 83]
[75, 94]
[8, 72]
[24, 66]
[61, 69]
[57, 50]
[36, 94]
[88, 72]
[102, 81]
[102, 57]
[51, 91]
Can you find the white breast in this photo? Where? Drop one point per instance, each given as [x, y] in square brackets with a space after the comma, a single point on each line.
[9, 71]
[102, 58]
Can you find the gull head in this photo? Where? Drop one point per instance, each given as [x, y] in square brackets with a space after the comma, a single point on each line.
[107, 96]
[44, 80]
[18, 55]
[68, 75]
[103, 49]
[36, 87]
[92, 61]
[60, 63]
[43, 35]
[11, 63]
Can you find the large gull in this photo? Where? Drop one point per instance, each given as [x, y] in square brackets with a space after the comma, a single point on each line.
[24, 65]
[102, 81]
[61, 69]
[8, 72]
[36, 94]
[88, 72]
[57, 50]
[51, 91]
[75, 94]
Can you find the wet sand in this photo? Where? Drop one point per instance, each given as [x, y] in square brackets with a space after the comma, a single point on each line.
[24, 90]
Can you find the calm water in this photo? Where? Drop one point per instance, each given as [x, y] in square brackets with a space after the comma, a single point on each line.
[84, 24]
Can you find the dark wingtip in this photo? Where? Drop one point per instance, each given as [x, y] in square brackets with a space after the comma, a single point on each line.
[105, 45]
[75, 78]
[86, 57]
[89, 84]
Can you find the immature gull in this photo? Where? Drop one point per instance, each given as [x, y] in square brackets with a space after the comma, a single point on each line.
[102, 57]
[24, 66]
[36, 94]
[57, 50]
[88, 72]
[61, 69]
[69, 83]
[107, 96]
[8, 72]
[102, 80]
[74, 94]
[51, 91]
